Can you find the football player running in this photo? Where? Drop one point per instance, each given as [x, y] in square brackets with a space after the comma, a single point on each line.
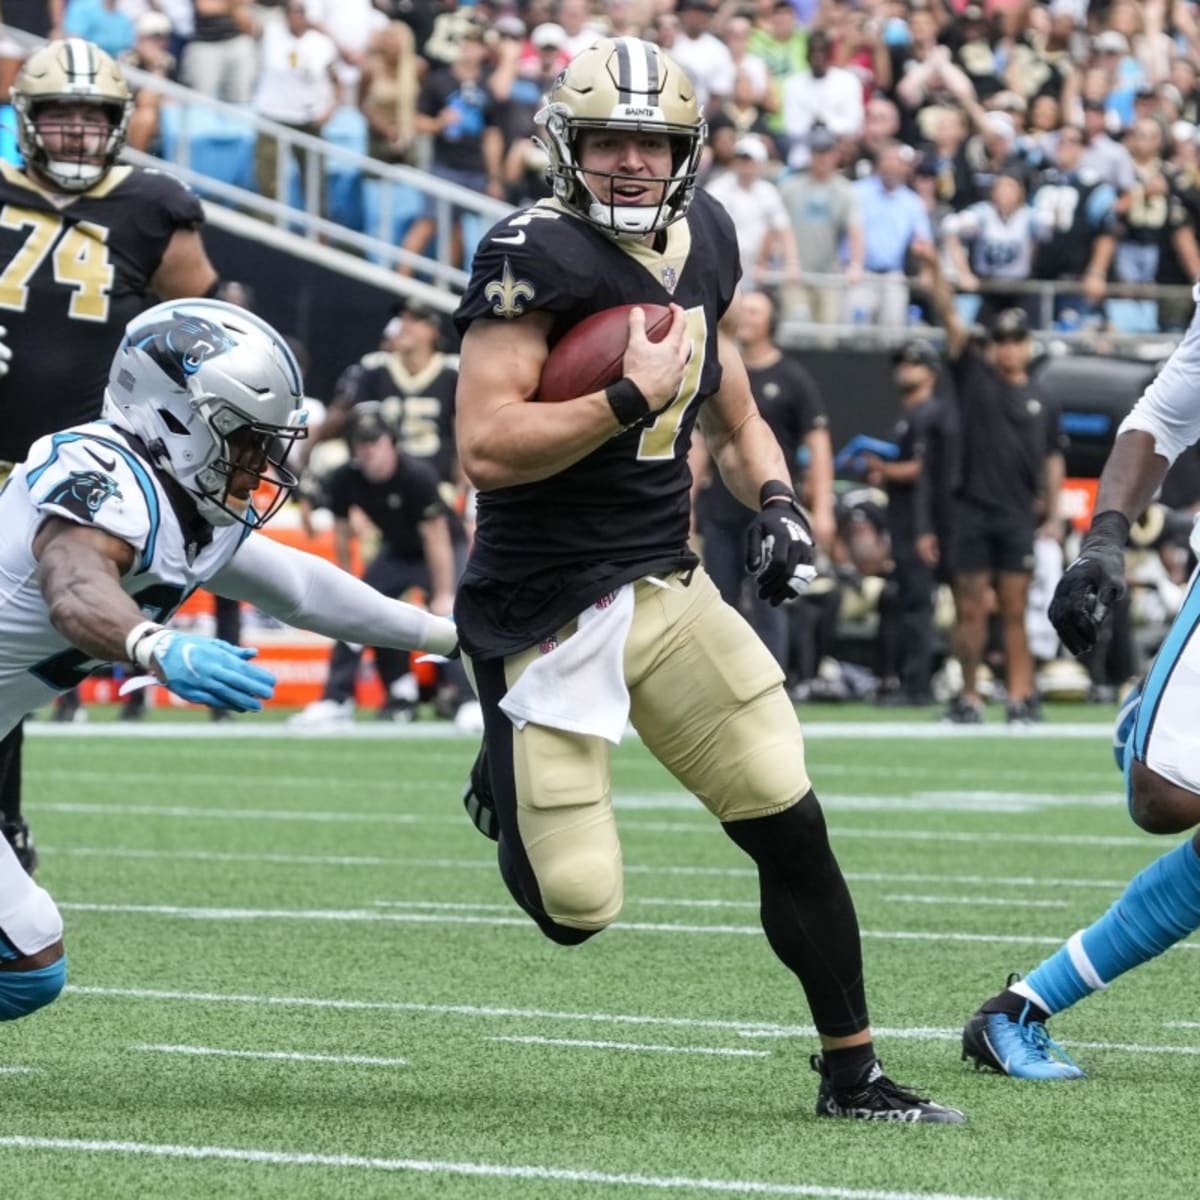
[582, 606]
[108, 526]
[85, 245]
[1156, 744]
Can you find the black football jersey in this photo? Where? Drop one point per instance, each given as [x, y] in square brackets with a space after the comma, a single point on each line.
[73, 272]
[544, 551]
[420, 407]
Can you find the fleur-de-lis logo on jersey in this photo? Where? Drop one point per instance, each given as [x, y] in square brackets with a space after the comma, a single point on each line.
[670, 278]
[508, 293]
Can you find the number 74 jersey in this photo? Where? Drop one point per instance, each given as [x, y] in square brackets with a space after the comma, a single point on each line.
[74, 270]
[92, 476]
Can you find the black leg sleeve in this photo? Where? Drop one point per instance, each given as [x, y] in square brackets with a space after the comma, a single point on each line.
[10, 773]
[807, 912]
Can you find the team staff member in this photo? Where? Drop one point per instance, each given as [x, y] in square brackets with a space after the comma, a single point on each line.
[582, 606]
[789, 401]
[918, 487]
[1009, 478]
[85, 245]
[400, 497]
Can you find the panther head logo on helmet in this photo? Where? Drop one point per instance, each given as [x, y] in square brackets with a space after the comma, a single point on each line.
[181, 344]
[628, 86]
[73, 108]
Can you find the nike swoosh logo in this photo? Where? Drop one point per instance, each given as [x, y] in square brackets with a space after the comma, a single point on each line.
[517, 239]
[108, 466]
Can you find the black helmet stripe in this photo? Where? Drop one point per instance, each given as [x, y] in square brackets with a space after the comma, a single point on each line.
[624, 72]
[81, 60]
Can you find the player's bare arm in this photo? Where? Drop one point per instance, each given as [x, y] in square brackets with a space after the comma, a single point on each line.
[185, 269]
[739, 441]
[503, 440]
[79, 572]
[1132, 475]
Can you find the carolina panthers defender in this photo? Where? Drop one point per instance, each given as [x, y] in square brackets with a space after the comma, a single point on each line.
[110, 525]
[83, 244]
[582, 606]
[1157, 744]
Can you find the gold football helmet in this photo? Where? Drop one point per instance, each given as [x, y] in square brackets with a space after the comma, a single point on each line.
[625, 84]
[71, 71]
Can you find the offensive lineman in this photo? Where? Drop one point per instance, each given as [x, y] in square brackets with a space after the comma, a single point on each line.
[581, 605]
[85, 245]
[109, 526]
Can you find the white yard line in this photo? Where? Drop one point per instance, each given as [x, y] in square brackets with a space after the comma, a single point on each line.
[488, 864]
[373, 915]
[750, 1029]
[470, 1169]
[979, 901]
[358, 1060]
[637, 1046]
[18, 1070]
[705, 828]
[370, 731]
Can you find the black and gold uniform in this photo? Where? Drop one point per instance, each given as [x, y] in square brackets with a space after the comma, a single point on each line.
[544, 551]
[76, 269]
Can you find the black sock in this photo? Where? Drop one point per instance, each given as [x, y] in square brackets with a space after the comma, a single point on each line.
[807, 912]
[1012, 1004]
[849, 1066]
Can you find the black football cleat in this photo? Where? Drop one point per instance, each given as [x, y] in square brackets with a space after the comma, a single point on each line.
[477, 798]
[877, 1098]
[17, 834]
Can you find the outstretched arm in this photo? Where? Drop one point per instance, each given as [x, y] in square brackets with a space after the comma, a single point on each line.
[304, 590]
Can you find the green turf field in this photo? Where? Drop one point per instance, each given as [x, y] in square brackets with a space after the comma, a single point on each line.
[295, 973]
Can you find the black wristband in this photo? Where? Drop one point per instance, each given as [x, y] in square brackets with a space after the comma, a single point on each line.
[777, 489]
[1110, 526]
[627, 402]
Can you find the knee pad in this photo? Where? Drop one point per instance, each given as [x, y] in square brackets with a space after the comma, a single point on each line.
[583, 890]
[23, 992]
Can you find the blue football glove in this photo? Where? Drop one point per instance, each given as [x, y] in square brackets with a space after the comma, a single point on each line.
[209, 671]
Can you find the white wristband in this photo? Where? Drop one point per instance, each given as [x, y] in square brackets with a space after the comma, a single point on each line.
[138, 643]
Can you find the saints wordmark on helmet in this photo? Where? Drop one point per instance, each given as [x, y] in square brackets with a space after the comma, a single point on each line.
[509, 294]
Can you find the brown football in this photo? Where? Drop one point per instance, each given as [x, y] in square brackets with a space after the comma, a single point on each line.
[591, 356]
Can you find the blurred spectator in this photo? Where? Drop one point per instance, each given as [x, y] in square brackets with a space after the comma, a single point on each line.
[858, 45]
[297, 87]
[919, 484]
[974, 52]
[723, 136]
[1077, 225]
[580, 25]
[754, 96]
[388, 93]
[221, 60]
[350, 25]
[830, 96]
[946, 158]
[1155, 223]
[1001, 234]
[1040, 64]
[1106, 159]
[457, 108]
[990, 153]
[791, 404]
[102, 22]
[893, 220]
[881, 127]
[783, 46]
[925, 75]
[524, 161]
[763, 229]
[1185, 79]
[702, 55]
[149, 54]
[822, 206]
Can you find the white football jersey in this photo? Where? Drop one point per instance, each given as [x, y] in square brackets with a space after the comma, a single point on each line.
[91, 475]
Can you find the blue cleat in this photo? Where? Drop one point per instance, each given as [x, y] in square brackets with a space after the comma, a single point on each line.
[1020, 1048]
[1126, 719]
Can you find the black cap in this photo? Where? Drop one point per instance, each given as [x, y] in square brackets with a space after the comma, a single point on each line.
[366, 424]
[918, 350]
[1010, 324]
[417, 309]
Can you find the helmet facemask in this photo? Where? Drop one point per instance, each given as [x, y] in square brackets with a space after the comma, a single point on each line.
[98, 146]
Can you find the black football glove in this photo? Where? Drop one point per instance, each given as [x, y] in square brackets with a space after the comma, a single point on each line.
[1092, 584]
[779, 550]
